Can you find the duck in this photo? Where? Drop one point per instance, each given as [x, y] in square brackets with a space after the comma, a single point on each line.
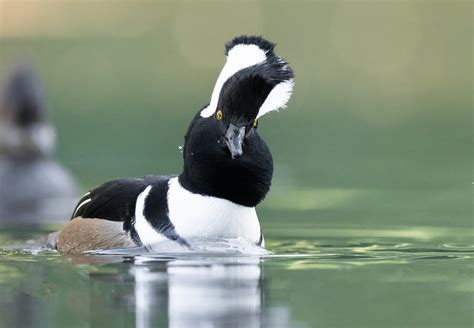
[227, 168]
[35, 189]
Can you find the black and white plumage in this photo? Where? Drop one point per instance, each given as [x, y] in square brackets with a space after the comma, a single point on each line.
[227, 167]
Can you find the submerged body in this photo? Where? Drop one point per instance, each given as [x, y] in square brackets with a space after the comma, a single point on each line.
[227, 168]
[34, 192]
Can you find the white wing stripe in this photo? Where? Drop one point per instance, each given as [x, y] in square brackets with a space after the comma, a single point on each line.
[147, 234]
[81, 204]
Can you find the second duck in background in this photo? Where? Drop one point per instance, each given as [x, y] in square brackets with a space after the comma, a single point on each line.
[34, 188]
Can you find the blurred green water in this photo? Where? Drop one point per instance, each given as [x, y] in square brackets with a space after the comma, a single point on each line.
[374, 149]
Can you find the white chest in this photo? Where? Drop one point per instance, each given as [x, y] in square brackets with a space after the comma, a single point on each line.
[195, 215]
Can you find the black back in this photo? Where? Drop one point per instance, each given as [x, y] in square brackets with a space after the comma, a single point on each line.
[115, 200]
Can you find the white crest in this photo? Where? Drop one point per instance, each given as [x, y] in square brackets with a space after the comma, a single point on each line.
[239, 57]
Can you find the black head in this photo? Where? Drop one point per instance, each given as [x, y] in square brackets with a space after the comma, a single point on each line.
[22, 100]
[253, 82]
[224, 156]
[24, 126]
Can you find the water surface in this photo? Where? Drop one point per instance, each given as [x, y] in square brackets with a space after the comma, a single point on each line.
[404, 277]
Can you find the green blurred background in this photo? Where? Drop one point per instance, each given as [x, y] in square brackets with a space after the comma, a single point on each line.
[378, 132]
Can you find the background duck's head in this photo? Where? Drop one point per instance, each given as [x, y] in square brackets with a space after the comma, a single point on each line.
[25, 130]
[223, 154]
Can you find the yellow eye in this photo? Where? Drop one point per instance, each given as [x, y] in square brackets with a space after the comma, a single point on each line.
[219, 115]
[255, 123]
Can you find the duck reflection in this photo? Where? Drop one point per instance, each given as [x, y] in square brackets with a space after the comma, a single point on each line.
[140, 291]
[188, 291]
[202, 293]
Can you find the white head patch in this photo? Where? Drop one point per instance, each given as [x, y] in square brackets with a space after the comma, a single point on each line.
[239, 57]
[278, 97]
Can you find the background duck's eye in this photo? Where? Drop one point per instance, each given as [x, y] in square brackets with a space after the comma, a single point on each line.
[255, 123]
[219, 115]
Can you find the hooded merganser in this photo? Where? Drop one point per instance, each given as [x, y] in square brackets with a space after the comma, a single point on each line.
[227, 169]
[34, 188]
